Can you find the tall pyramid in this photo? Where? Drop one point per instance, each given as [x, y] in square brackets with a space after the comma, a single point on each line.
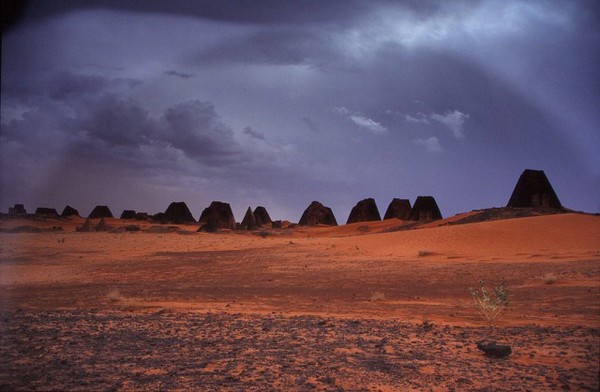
[425, 208]
[398, 208]
[249, 221]
[317, 214]
[364, 211]
[533, 190]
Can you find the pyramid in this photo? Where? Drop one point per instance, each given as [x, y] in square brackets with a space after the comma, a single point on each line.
[217, 216]
[128, 214]
[100, 212]
[249, 221]
[69, 211]
[262, 216]
[18, 209]
[44, 212]
[178, 213]
[398, 208]
[533, 190]
[364, 211]
[425, 208]
[86, 227]
[315, 214]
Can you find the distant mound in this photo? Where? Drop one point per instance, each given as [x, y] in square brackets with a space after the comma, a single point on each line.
[316, 214]
[425, 209]
[44, 212]
[249, 221]
[262, 216]
[217, 216]
[398, 208]
[178, 213]
[69, 211]
[128, 214]
[364, 211]
[100, 212]
[533, 190]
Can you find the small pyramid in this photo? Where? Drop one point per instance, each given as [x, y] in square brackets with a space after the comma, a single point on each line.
[364, 211]
[398, 208]
[69, 211]
[533, 190]
[316, 214]
[425, 209]
[101, 226]
[178, 213]
[249, 221]
[100, 212]
[18, 209]
[262, 216]
[217, 216]
[44, 212]
[128, 214]
[86, 227]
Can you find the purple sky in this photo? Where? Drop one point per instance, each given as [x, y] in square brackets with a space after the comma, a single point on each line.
[279, 103]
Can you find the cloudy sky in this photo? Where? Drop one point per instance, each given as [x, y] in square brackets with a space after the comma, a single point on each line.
[135, 104]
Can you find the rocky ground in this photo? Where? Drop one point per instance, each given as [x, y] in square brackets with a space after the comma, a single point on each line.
[166, 350]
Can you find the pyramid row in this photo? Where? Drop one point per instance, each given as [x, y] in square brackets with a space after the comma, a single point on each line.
[532, 190]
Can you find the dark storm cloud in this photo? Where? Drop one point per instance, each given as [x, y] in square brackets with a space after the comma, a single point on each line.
[251, 12]
[181, 75]
[254, 133]
[92, 112]
[441, 97]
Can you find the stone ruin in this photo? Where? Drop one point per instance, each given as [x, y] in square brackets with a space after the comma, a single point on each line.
[317, 214]
[178, 213]
[45, 212]
[364, 211]
[249, 221]
[100, 212]
[533, 190]
[217, 216]
[69, 211]
[425, 209]
[262, 216]
[17, 210]
[398, 208]
[128, 214]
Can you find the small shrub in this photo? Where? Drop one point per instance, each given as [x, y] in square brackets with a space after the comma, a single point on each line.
[423, 253]
[377, 296]
[549, 278]
[490, 304]
[114, 295]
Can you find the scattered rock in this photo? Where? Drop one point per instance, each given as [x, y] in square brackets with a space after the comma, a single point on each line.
[315, 214]
[364, 211]
[494, 350]
[398, 208]
[534, 190]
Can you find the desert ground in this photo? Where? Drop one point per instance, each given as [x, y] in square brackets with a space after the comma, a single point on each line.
[366, 306]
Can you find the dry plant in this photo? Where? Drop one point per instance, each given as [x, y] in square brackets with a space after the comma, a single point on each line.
[377, 296]
[490, 304]
[424, 252]
[549, 278]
